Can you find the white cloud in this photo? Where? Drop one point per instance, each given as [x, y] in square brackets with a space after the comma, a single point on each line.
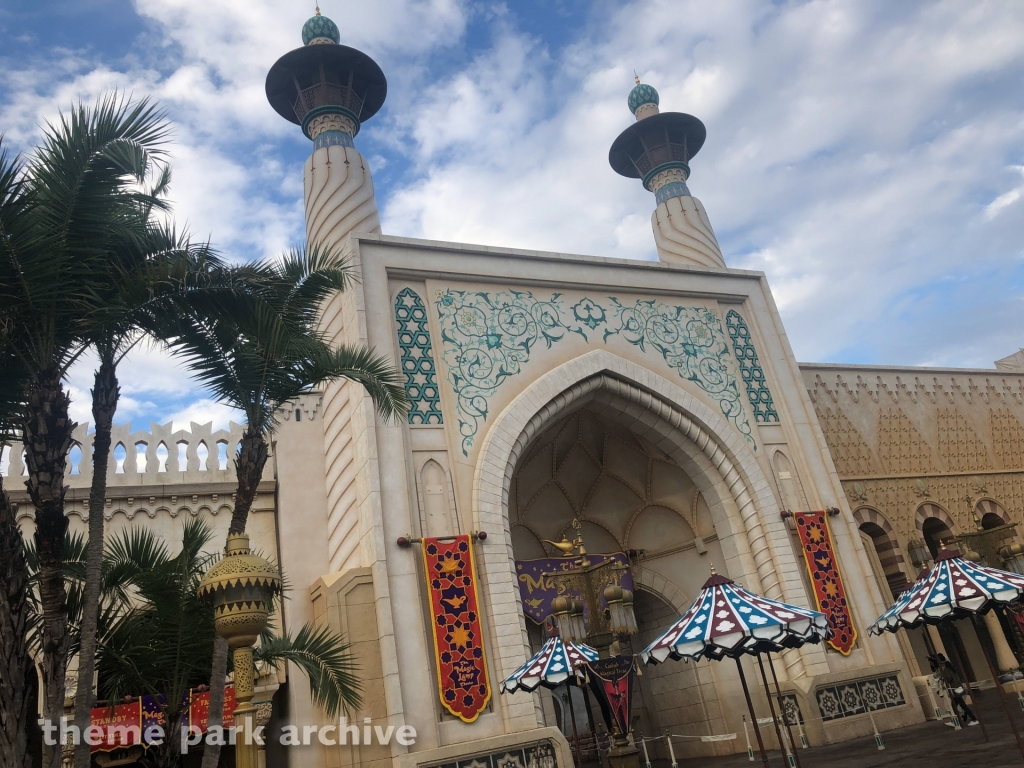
[865, 155]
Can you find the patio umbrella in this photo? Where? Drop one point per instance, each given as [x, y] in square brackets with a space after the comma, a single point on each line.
[552, 665]
[955, 588]
[728, 620]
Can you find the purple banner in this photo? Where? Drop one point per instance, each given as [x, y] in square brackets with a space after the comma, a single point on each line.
[537, 591]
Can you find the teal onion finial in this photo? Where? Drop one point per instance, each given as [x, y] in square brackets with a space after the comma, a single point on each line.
[320, 29]
[640, 95]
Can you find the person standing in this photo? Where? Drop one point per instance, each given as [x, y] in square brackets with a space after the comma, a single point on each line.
[949, 677]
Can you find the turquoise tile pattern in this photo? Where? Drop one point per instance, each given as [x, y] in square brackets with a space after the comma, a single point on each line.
[417, 359]
[758, 393]
[486, 338]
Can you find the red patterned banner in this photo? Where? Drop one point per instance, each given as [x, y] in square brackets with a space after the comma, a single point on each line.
[458, 635]
[829, 593]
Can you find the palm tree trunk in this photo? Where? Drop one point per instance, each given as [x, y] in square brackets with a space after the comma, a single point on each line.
[47, 430]
[252, 458]
[15, 662]
[215, 716]
[105, 394]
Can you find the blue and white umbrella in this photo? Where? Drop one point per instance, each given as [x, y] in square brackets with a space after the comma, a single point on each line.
[551, 666]
[954, 588]
[728, 620]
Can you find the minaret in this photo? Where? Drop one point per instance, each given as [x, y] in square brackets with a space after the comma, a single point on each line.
[330, 90]
[657, 149]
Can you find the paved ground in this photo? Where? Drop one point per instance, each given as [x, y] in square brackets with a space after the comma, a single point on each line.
[929, 744]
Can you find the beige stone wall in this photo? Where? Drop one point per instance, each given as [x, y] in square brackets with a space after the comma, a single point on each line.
[346, 603]
[911, 444]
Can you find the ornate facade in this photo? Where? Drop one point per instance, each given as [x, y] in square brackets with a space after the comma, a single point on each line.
[658, 404]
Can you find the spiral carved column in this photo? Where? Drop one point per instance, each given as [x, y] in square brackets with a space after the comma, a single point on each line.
[683, 233]
[339, 196]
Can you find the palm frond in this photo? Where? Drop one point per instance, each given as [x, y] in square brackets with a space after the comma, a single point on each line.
[325, 658]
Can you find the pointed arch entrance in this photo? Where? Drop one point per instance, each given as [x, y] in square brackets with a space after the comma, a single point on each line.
[722, 466]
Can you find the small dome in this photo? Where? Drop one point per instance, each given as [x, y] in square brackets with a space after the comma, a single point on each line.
[640, 95]
[320, 27]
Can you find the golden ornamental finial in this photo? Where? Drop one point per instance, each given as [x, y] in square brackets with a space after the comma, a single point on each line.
[713, 571]
[636, 77]
[318, 9]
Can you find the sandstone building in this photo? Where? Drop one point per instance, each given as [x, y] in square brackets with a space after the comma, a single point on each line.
[659, 403]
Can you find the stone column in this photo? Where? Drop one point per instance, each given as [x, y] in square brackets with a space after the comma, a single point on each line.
[1005, 659]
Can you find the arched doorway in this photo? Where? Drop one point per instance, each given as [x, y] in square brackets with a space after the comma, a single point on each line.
[630, 496]
[936, 533]
[888, 557]
[722, 467]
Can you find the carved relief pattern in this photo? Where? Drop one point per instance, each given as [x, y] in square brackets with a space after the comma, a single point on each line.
[417, 359]
[899, 498]
[489, 337]
[900, 446]
[758, 394]
[959, 445]
[1007, 438]
[850, 452]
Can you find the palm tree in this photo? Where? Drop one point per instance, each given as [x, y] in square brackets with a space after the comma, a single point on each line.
[16, 666]
[62, 214]
[148, 265]
[156, 636]
[262, 350]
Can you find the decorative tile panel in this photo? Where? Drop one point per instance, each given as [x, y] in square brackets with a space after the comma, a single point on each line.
[541, 754]
[791, 710]
[758, 394]
[859, 696]
[489, 337]
[417, 359]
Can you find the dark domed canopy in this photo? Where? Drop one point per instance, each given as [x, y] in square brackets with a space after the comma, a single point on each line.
[311, 80]
[656, 141]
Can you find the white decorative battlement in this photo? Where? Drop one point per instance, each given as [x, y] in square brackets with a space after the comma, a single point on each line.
[161, 456]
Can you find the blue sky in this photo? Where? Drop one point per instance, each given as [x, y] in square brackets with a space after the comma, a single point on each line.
[869, 156]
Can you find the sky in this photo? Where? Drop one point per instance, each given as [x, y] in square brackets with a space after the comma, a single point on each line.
[867, 156]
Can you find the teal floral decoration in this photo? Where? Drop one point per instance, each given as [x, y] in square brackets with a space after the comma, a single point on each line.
[691, 342]
[417, 359]
[589, 313]
[488, 337]
[758, 393]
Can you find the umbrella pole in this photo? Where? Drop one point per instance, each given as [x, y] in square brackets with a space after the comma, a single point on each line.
[775, 679]
[575, 736]
[782, 709]
[753, 715]
[999, 686]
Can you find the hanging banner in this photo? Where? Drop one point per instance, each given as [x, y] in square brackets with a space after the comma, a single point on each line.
[829, 593]
[125, 725]
[121, 725]
[199, 709]
[611, 680]
[458, 635]
[536, 591]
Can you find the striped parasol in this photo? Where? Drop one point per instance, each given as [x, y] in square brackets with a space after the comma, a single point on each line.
[551, 666]
[954, 588]
[728, 620]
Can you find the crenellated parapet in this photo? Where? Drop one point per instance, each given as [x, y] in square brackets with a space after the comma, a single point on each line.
[151, 472]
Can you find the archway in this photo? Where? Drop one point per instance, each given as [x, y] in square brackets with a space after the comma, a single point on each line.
[664, 418]
[883, 540]
[936, 533]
